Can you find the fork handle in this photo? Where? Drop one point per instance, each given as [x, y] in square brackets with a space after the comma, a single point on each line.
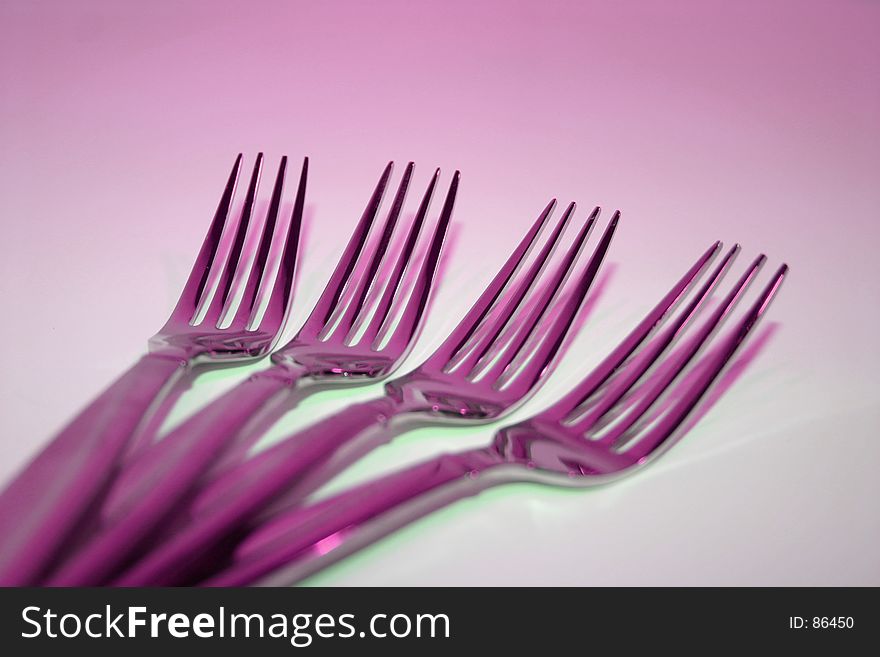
[42, 506]
[156, 483]
[330, 529]
[244, 491]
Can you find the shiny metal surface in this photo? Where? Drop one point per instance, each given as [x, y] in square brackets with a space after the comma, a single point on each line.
[479, 373]
[609, 426]
[43, 504]
[348, 339]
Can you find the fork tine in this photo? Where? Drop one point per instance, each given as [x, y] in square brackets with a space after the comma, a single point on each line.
[634, 340]
[511, 310]
[538, 310]
[192, 292]
[417, 300]
[258, 267]
[384, 306]
[652, 352]
[279, 298]
[556, 332]
[662, 434]
[481, 307]
[657, 386]
[365, 281]
[222, 295]
[330, 296]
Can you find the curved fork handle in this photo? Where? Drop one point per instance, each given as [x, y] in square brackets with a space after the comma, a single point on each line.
[160, 480]
[43, 504]
[324, 531]
[250, 488]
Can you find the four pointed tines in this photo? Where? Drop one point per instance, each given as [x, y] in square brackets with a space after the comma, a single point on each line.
[635, 401]
[379, 290]
[228, 287]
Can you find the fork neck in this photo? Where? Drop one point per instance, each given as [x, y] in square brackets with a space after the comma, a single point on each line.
[285, 369]
[159, 348]
[544, 445]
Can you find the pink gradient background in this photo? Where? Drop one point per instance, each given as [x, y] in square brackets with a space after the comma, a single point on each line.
[752, 121]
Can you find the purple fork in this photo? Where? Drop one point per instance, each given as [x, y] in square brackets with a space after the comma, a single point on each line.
[43, 505]
[479, 373]
[609, 426]
[343, 341]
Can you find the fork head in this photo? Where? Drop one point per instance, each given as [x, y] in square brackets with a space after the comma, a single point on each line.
[637, 402]
[226, 325]
[367, 317]
[503, 347]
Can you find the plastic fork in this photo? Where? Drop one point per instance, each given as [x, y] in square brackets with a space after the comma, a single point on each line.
[625, 414]
[479, 373]
[41, 507]
[347, 339]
